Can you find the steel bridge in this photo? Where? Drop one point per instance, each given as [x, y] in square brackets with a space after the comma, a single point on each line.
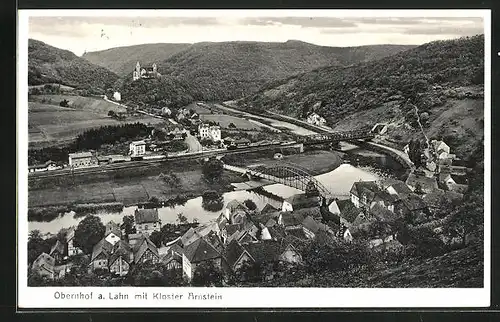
[284, 173]
[336, 137]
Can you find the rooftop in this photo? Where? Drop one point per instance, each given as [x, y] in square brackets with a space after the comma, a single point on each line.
[200, 250]
[80, 155]
[303, 201]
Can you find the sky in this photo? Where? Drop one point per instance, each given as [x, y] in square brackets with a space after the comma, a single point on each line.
[91, 33]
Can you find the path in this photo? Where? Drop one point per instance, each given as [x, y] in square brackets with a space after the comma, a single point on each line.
[399, 153]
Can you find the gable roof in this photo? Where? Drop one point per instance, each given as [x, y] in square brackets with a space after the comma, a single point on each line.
[146, 216]
[426, 182]
[233, 252]
[291, 218]
[297, 233]
[102, 247]
[112, 227]
[314, 212]
[235, 204]
[265, 251]
[413, 202]
[301, 200]
[221, 221]
[44, 260]
[400, 187]
[145, 245]
[200, 250]
[123, 250]
[348, 210]
[58, 247]
[365, 188]
[232, 228]
[363, 218]
[268, 208]
[382, 214]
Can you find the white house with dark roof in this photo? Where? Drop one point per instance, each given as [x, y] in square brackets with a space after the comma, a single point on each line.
[147, 221]
[137, 148]
[198, 252]
[70, 237]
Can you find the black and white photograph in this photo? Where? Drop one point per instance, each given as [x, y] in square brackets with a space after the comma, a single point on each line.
[238, 158]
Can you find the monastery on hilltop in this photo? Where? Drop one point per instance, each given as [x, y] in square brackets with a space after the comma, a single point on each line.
[148, 72]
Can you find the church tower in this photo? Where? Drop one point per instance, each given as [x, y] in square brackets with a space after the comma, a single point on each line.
[137, 72]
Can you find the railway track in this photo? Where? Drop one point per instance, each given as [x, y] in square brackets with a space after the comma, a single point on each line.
[146, 163]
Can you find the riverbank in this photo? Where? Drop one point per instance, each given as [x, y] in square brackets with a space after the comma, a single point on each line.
[138, 186]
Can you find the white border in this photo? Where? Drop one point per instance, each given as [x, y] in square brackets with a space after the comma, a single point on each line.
[32, 297]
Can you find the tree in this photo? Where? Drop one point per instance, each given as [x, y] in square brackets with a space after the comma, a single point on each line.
[212, 170]
[181, 218]
[207, 274]
[418, 188]
[157, 238]
[415, 152]
[231, 126]
[64, 103]
[467, 219]
[128, 225]
[36, 245]
[88, 233]
[111, 113]
[250, 204]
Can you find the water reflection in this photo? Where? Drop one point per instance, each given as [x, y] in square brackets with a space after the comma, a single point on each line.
[338, 181]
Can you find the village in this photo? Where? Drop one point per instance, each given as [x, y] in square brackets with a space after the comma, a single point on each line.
[242, 235]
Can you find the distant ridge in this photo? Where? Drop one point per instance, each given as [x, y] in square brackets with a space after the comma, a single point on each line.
[48, 64]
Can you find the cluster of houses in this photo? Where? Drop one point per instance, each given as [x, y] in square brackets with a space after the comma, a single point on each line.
[242, 236]
[438, 170]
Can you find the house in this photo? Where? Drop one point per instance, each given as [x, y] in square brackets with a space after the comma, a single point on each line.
[379, 128]
[174, 131]
[237, 256]
[311, 227]
[268, 208]
[81, 160]
[383, 214]
[269, 252]
[166, 111]
[196, 253]
[193, 234]
[57, 251]
[363, 192]
[235, 207]
[345, 209]
[113, 233]
[315, 119]
[425, 184]
[47, 166]
[299, 201]
[44, 265]
[117, 96]
[458, 188]
[147, 221]
[100, 255]
[346, 233]
[137, 148]
[173, 260]
[441, 149]
[209, 132]
[121, 258]
[290, 220]
[397, 188]
[145, 73]
[411, 204]
[72, 249]
[146, 251]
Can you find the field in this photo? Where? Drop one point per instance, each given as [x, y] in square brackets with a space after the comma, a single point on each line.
[129, 190]
[51, 124]
[224, 121]
[88, 104]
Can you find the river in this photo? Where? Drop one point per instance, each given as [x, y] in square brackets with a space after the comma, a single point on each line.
[338, 181]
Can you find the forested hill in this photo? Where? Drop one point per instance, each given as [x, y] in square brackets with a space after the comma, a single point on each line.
[229, 70]
[443, 79]
[47, 64]
[122, 60]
